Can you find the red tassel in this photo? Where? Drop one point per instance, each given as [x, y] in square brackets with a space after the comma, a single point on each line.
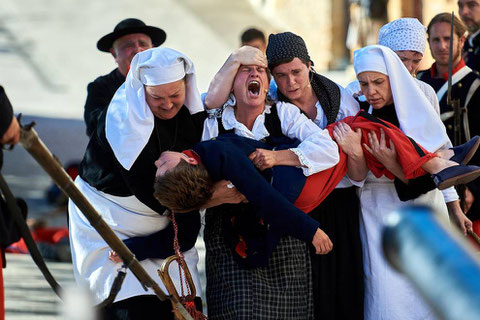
[196, 315]
[189, 305]
[241, 248]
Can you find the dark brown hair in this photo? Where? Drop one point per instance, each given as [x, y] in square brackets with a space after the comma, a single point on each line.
[184, 188]
[252, 34]
[286, 60]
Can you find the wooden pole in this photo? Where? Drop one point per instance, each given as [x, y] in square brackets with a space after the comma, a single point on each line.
[32, 143]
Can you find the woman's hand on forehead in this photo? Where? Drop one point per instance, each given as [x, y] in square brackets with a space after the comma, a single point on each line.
[248, 55]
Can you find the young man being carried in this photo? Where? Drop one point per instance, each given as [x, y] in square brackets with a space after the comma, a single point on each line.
[184, 180]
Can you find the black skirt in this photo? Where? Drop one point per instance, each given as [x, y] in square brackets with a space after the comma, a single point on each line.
[338, 276]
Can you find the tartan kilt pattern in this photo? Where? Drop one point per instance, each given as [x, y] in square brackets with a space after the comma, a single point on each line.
[283, 290]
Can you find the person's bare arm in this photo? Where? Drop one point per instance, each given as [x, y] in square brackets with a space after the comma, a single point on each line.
[356, 166]
[350, 142]
[457, 216]
[264, 159]
[221, 85]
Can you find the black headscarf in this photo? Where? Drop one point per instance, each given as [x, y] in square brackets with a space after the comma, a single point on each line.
[287, 45]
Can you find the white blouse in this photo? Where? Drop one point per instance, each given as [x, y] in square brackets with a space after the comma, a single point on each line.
[316, 152]
[348, 107]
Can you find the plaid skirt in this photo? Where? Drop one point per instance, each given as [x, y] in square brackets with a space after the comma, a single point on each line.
[283, 290]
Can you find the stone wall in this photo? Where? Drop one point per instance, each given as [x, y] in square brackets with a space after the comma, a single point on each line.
[430, 8]
[323, 23]
[311, 19]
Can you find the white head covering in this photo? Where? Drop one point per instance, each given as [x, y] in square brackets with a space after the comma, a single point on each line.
[403, 34]
[129, 120]
[416, 116]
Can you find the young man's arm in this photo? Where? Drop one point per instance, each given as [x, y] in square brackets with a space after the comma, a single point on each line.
[223, 162]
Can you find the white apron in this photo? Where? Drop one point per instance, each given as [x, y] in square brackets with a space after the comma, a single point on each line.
[128, 218]
[388, 294]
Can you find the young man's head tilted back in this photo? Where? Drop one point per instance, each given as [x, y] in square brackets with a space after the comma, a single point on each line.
[184, 187]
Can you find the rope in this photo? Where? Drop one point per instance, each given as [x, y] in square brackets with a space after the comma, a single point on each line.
[182, 266]
[474, 236]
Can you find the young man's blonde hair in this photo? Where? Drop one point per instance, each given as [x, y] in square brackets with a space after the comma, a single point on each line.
[184, 188]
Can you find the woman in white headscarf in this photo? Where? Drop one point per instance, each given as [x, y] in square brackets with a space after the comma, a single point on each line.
[407, 38]
[158, 108]
[394, 96]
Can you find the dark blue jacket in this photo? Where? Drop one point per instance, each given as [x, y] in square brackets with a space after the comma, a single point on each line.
[271, 193]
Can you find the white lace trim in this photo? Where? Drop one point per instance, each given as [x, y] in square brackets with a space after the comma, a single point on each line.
[306, 165]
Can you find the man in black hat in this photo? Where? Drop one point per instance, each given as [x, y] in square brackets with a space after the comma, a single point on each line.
[129, 37]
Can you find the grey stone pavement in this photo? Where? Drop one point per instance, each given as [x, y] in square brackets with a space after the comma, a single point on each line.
[48, 56]
[28, 296]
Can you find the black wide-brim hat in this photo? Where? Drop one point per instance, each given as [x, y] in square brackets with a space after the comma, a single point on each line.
[129, 26]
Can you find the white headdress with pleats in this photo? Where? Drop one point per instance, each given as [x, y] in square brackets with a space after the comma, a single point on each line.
[415, 114]
[129, 120]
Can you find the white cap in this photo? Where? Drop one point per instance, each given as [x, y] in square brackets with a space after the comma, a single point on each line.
[129, 121]
[403, 34]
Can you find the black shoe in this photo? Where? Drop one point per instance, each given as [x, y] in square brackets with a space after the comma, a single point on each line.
[464, 152]
[455, 175]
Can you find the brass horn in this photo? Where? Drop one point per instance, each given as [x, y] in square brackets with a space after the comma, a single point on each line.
[164, 274]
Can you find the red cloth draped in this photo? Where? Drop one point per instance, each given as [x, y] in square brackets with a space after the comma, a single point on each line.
[410, 156]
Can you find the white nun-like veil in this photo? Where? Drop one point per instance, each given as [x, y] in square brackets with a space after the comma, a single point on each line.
[415, 114]
[129, 121]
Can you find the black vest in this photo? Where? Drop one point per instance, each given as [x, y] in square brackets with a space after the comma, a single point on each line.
[272, 124]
